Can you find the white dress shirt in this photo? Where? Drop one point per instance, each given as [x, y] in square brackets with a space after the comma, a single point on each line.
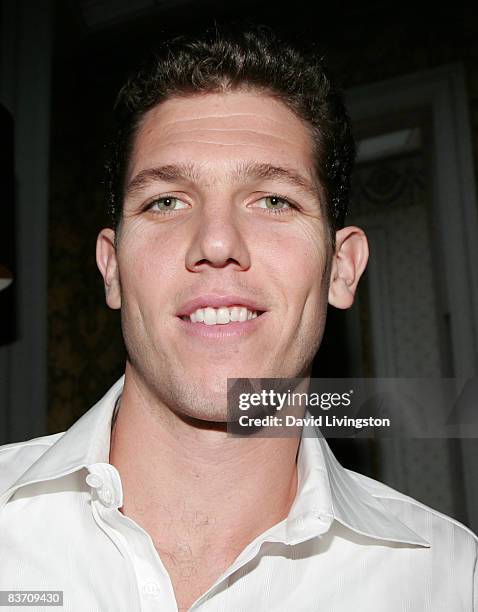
[349, 543]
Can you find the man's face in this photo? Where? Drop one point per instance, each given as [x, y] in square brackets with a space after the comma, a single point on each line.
[221, 210]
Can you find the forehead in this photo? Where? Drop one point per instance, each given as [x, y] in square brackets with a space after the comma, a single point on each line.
[217, 131]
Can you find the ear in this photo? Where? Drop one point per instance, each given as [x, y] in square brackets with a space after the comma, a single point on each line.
[108, 266]
[348, 263]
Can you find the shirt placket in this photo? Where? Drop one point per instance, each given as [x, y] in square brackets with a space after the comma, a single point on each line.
[150, 579]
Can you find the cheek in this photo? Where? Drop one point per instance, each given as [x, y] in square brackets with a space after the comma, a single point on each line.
[296, 260]
[151, 263]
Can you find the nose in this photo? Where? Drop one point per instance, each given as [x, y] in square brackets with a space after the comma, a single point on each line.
[218, 241]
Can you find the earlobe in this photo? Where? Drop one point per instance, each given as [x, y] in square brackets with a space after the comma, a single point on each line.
[107, 263]
[348, 265]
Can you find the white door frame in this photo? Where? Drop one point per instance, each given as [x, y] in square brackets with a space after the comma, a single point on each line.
[454, 213]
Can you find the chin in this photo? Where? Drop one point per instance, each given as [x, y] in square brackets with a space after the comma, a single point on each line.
[206, 410]
[197, 395]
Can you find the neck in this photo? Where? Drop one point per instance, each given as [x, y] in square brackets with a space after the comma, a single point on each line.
[189, 484]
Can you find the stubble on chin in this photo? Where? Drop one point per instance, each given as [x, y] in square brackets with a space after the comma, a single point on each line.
[192, 400]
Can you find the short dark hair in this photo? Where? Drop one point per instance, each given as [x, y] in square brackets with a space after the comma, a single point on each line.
[223, 60]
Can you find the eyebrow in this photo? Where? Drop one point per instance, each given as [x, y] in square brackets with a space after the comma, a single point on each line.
[249, 170]
[168, 174]
[270, 172]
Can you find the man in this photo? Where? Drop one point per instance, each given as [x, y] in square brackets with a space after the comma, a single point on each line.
[228, 187]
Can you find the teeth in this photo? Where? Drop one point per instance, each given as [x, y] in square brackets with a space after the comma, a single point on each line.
[222, 315]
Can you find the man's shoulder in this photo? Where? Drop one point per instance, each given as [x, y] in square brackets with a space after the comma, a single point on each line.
[435, 526]
[17, 457]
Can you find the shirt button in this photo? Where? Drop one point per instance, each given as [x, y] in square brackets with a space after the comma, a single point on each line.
[150, 590]
[94, 481]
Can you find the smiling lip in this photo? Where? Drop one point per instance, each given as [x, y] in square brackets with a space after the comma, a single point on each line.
[233, 329]
[216, 301]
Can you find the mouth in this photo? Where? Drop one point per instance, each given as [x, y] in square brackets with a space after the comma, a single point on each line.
[220, 315]
[224, 315]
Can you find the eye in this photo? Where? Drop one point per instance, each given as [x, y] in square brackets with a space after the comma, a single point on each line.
[274, 203]
[166, 203]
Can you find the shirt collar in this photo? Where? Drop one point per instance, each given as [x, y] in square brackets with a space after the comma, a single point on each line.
[325, 488]
[85, 443]
[335, 491]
